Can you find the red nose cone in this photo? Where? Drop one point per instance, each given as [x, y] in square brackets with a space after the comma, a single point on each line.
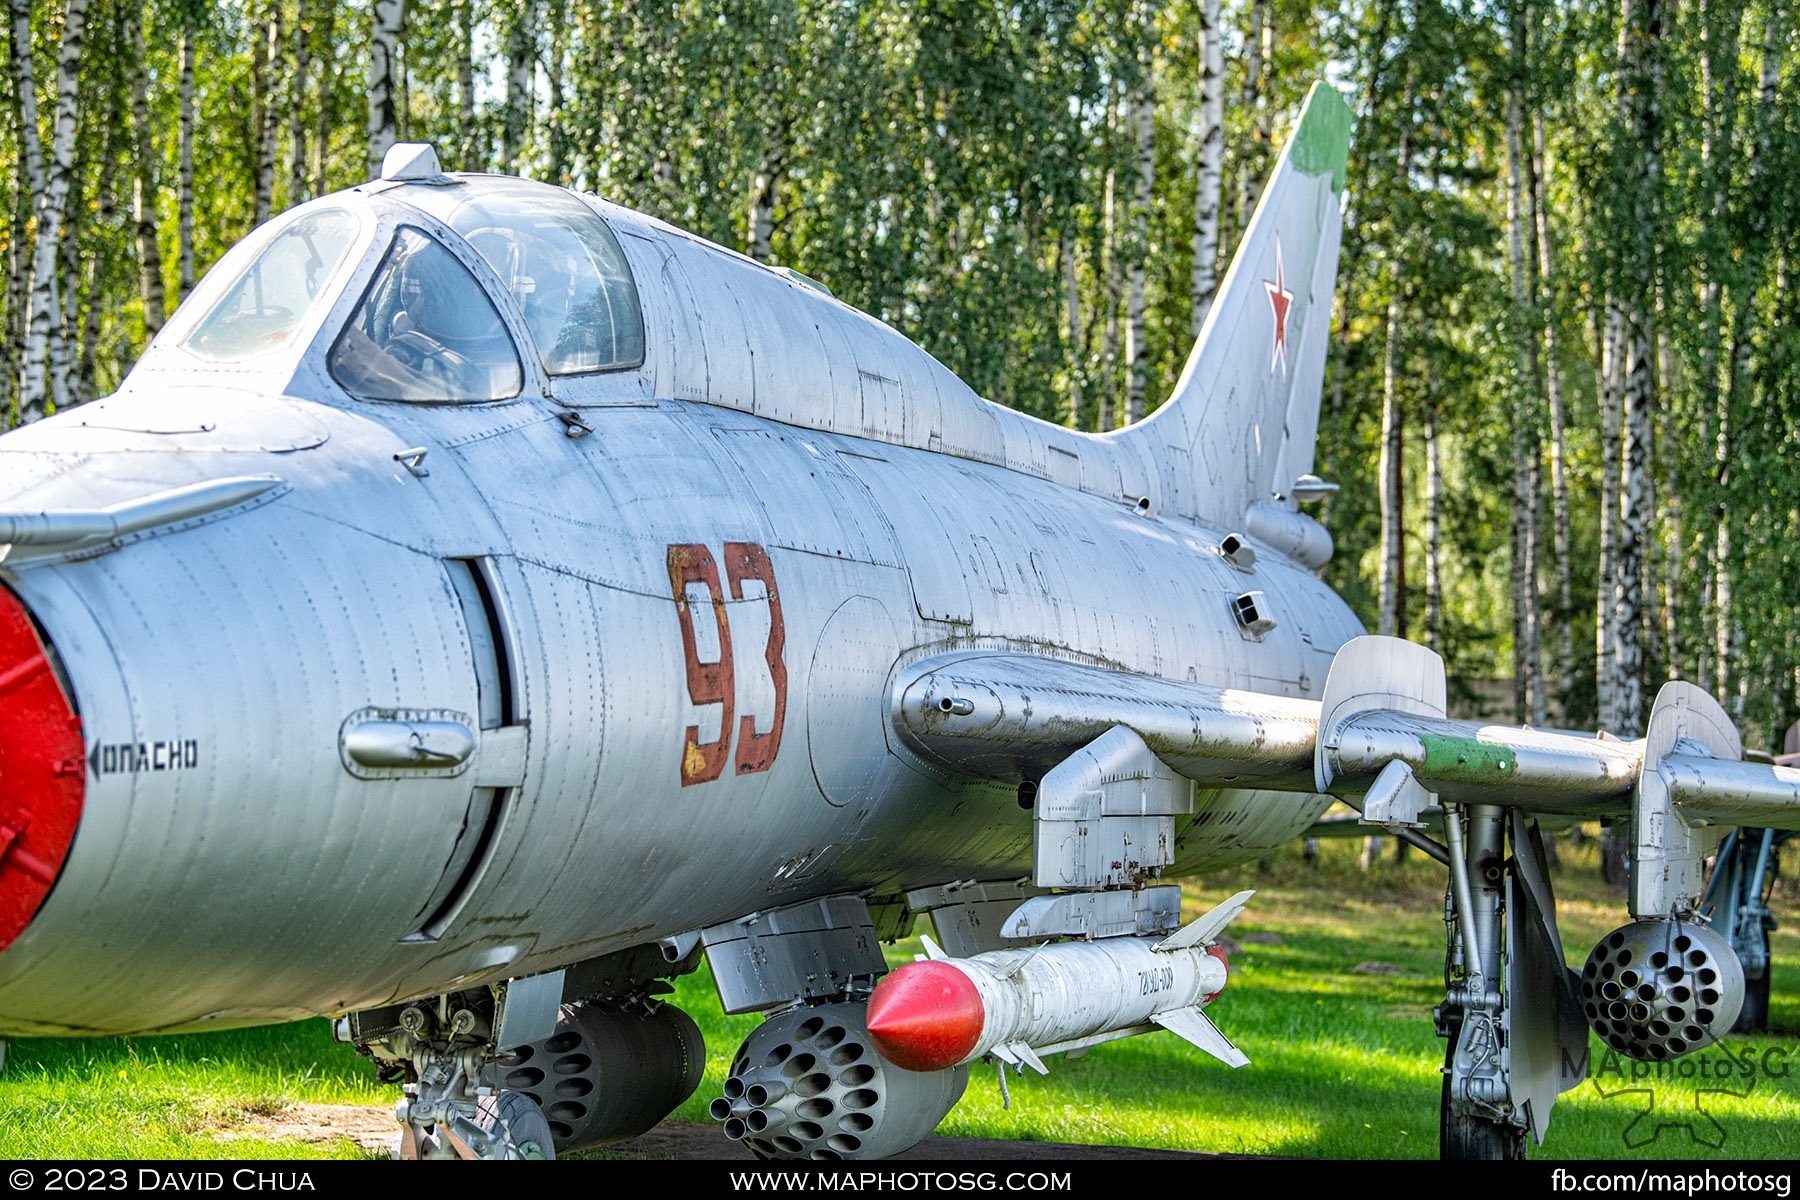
[925, 1016]
[42, 775]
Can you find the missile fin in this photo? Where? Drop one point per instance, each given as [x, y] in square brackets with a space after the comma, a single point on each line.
[1018, 1053]
[1202, 930]
[933, 951]
[1194, 1026]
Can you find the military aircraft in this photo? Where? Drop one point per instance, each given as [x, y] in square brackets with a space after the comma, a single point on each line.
[483, 601]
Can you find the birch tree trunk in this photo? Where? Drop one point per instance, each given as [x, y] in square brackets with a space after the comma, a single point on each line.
[1640, 110]
[1210, 178]
[761, 217]
[24, 79]
[1391, 580]
[1527, 688]
[1718, 97]
[31, 172]
[1072, 313]
[389, 22]
[1256, 40]
[1109, 270]
[144, 190]
[1559, 420]
[1734, 396]
[67, 351]
[1143, 124]
[264, 55]
[1635, 505]
[521, 64]
[1662, 561]
[46, 370]
[465, 83]
[1391, 615]
[85, 303]
[327, 44]
[1609, 391]
[16, 291]
[296, 186]
[184, 169]
[556, 130]
[1434, 491]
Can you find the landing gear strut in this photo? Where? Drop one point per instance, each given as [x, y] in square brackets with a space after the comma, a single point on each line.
[503, 1125]
[1478, 1118]
[1737, 905]
[439, 1049]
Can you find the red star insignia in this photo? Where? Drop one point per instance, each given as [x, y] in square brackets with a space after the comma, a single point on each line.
[1280, 300]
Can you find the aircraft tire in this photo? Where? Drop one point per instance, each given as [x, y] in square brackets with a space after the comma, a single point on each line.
[1464, 1138]
[523, 1130]
[1753, 1017]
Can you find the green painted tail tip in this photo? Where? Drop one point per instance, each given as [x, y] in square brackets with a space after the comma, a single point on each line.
[1321, 143]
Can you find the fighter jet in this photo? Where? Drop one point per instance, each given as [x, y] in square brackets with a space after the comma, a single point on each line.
[482, 602]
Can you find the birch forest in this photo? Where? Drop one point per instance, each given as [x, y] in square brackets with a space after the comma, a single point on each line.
[1561, 401]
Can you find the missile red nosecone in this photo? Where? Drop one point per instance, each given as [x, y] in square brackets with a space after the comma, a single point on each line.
[925, 1016]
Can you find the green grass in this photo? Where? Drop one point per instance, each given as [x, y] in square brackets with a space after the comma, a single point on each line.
[1333, 1010]
[180, 1096]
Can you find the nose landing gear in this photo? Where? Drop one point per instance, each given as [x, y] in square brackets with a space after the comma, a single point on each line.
[505, 1125]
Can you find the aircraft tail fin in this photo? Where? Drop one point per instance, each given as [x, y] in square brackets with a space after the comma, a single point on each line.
[1239, 429]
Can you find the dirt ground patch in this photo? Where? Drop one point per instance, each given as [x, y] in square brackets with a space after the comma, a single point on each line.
[373, 1128]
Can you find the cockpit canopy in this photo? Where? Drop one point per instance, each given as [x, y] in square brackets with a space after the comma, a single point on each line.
[425, 331]
[560, 261]
[424, 328]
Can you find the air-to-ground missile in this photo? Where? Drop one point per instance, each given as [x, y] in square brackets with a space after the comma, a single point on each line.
[1016, 1005]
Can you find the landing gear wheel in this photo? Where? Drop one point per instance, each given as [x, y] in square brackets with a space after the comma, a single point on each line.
[516, 1127]
[1464, 1137]
[1753, 1017]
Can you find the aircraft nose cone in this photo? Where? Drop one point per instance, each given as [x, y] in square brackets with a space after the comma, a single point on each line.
[925, 1016]
[42, 775]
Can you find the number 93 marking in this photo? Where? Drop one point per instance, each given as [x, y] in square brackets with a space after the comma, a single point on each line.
[713, 682]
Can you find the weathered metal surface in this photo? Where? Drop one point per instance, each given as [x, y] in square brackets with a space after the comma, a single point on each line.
[969, 917]
[816, 950]
[1374, 675]
[1105, 816]
[1035, 710]
[1733, 793]
[1097, 914]
[71, 528]
[389, 738]
[1670, 843]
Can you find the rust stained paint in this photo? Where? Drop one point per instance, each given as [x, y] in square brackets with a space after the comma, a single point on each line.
[707, 683]
[747, 560]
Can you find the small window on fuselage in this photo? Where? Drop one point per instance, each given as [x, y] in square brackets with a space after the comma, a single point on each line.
[561, 262]
[425, 332]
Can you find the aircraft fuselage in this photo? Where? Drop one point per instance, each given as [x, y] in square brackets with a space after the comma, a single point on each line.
[659, 785]
[580, 634]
